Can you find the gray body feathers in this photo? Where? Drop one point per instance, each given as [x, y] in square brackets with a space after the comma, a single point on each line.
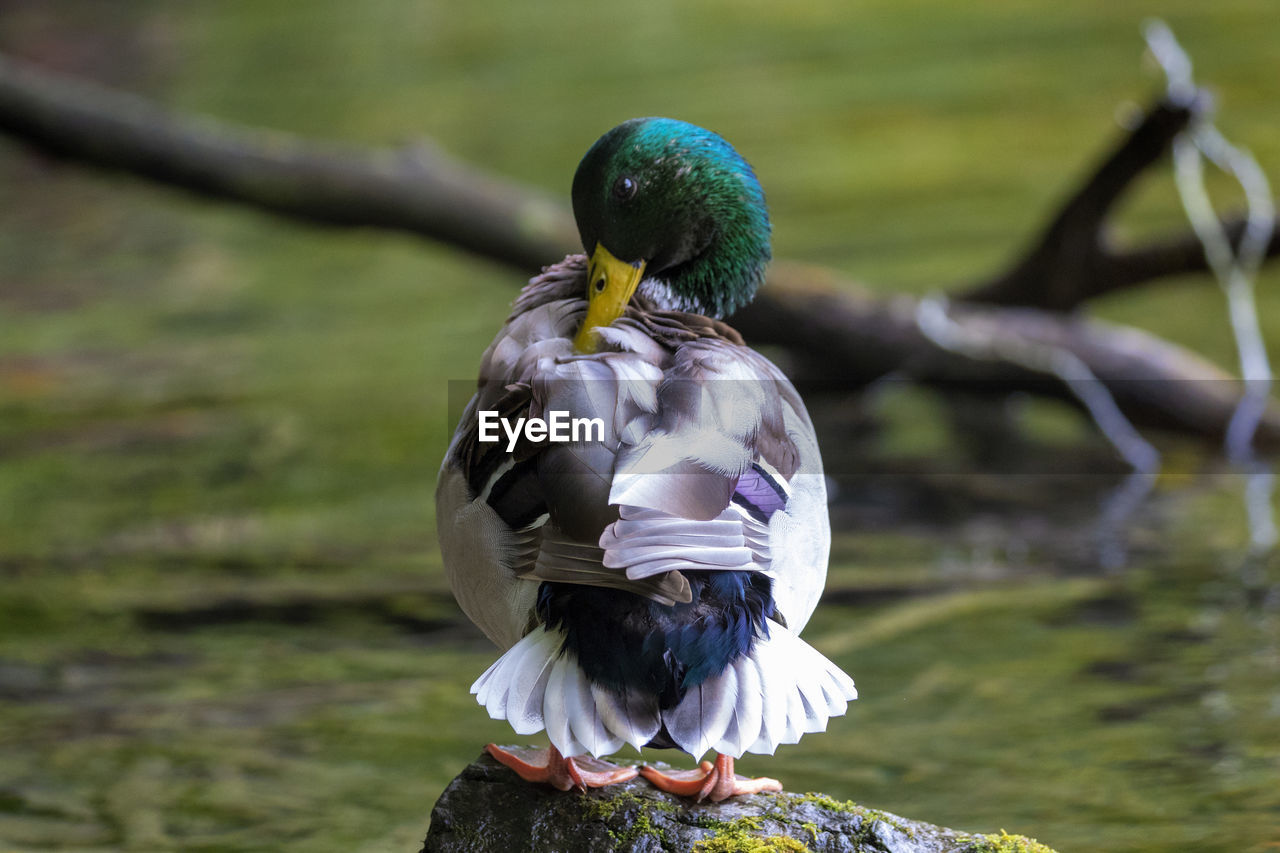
[687, 409]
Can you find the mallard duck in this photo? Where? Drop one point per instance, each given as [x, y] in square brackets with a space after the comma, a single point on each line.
[648, 582]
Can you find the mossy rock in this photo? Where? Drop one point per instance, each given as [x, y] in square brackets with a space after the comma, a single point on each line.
[488, 809]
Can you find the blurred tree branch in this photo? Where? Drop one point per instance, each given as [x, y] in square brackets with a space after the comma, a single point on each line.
[845, 333]
[1073, 260]
[415, 189]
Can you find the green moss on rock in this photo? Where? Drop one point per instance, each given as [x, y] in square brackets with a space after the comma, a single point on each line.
[739, 836]
[1006, 843]
[626, 806]
[869, 816]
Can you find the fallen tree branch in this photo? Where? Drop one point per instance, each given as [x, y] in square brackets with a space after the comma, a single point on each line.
[1073, 261]
[837, 331]
[824, 321]
[416, 189]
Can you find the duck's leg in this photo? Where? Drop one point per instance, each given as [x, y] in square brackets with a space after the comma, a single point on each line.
[548, 765]
[713, 782]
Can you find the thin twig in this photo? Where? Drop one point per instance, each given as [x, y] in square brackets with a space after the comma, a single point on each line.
[1235, 265]
[939, 326]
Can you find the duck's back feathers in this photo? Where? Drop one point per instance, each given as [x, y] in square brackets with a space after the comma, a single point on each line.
[643, 582]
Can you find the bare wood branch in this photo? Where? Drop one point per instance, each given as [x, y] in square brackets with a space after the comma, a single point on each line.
[414, 189]
[1073, 259]
[842, 336]
[842, 332]
[1178, 254]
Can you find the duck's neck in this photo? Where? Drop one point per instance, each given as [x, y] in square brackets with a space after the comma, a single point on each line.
[723, 276]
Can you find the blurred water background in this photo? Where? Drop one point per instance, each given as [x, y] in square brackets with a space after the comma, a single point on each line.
[223, 620]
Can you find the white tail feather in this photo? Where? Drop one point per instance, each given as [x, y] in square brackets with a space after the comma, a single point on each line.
[534, 686]
[773, 723]
[555, 711]
[513, 688]
[632, 718]
[585, 719]
[795, 716]
[749, 713]
[700, 720]
[782, 690]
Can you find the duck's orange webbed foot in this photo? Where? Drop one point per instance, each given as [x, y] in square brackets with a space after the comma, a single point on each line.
[548, 765]
[714, 782]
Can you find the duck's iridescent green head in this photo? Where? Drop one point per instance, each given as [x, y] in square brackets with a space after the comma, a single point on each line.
[679, 207]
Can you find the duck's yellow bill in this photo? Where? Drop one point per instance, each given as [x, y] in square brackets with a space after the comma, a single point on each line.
[610, 284]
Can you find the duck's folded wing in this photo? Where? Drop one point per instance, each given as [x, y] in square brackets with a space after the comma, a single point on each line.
[707, 462]
[561, 560]
[728, 478]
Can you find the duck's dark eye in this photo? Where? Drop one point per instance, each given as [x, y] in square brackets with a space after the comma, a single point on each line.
[624, 188]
